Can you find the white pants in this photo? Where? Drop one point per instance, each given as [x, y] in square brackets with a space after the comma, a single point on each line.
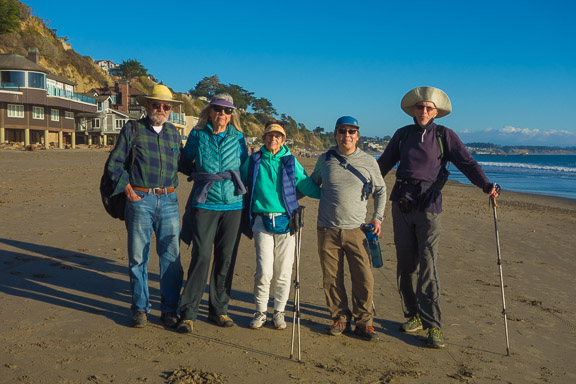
[274, 260]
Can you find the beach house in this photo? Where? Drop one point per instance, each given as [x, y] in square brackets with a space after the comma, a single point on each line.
[36, 106]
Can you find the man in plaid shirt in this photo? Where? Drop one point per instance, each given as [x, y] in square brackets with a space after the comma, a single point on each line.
[149, 180]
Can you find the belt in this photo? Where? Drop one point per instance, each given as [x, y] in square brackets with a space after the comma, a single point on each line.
[155, 191]
[414, 182]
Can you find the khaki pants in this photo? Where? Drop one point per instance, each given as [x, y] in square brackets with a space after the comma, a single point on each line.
[334, 246]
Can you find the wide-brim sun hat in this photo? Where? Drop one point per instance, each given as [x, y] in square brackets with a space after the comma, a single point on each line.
[274, 128]
[159, 92]
[223, 100]
[431, 94]
[347, 120]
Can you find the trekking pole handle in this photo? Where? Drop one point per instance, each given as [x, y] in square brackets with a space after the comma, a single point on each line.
[493, 201]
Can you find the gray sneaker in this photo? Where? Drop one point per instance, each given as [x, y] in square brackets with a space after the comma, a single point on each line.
[435, 338]
[258, 320]
[278, 320]
[414, 324]
[339, 327]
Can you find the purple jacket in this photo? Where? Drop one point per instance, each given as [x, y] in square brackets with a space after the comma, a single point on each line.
[420, 159]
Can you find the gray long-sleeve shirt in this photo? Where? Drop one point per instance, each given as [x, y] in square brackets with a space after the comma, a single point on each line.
[341, 205]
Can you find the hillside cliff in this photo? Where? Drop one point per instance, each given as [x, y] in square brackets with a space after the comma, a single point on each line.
[56, 55]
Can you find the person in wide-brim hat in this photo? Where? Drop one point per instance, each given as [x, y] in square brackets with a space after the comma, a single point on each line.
[431, 94]
[422, 151]
[159, 92]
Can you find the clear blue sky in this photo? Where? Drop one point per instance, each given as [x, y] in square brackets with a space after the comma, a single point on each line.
[509, 67]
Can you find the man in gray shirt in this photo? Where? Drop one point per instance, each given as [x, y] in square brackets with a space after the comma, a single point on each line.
[348, 175]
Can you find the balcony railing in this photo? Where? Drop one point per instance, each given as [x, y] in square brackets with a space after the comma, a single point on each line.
[177, 118]
[9, 86]
[53, 91]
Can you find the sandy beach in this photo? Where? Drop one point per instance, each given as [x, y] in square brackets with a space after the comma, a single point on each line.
[64, 295]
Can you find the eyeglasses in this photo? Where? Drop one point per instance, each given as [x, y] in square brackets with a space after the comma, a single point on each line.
[421, 107]
[350, 131]
[218, 108]
[158, 106]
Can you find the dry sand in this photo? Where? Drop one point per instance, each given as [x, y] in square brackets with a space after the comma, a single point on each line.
[64, 295]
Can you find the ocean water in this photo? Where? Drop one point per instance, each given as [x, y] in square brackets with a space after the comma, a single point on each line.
[550, 175]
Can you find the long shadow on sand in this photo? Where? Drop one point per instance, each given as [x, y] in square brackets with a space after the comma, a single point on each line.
[67, 278]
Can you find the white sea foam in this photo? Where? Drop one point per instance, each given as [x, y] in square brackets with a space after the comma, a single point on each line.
[530, 166]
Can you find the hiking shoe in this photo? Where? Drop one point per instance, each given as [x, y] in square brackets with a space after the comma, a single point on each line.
[339, 327]
[258, 320]
[185, 326]
[222, 320]
[278, 320]
[139, 319]
[367, 332]
[170, 319]
[412, 325]
[435, 338]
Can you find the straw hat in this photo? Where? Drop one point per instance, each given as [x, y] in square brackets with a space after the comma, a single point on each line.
[159, 92]
[434, 95]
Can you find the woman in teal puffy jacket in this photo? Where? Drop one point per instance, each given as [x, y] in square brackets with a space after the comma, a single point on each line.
[213, 153]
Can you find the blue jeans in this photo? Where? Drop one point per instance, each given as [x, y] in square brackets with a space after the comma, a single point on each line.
[161, 215]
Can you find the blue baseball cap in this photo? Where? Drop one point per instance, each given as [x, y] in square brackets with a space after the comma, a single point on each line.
[347, 120]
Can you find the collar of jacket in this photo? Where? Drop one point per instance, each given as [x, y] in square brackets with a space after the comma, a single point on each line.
[431, 124]
[284, 151]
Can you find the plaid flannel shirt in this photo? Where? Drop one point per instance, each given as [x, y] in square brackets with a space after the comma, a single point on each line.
[156, 157]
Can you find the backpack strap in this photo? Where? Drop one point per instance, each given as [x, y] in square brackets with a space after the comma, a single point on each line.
[367, 188]
[133, 125]
[440, 130]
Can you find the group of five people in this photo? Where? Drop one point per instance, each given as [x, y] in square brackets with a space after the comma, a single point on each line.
[261, 190]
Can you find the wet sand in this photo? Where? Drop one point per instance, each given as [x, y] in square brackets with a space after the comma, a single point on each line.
[64, 295]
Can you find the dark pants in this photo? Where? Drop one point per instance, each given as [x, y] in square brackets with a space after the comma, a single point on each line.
[416, 235]
[221, 230]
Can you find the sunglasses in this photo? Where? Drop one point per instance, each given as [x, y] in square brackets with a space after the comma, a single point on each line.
[158, 106]
[218, 108]
[422, 107]
[350, 131]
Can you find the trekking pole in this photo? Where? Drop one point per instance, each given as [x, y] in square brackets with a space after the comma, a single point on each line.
[494, 205]
[296, 228]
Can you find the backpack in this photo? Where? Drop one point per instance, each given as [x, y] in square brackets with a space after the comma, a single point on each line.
[116, 204]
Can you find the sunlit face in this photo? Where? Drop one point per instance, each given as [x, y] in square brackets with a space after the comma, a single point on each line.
[346, 137]
[273, 141]
[220, 119]
[425, 111]
[158, 111]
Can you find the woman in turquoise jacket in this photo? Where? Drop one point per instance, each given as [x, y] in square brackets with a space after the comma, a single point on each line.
[273, 177]
[213, 153]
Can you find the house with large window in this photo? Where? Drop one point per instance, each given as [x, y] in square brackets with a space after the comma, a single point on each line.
[115, 105]
[123, 97]
[36, 106]
[103, 126]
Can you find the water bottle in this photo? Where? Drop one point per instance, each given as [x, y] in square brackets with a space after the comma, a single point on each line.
[372, 245]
